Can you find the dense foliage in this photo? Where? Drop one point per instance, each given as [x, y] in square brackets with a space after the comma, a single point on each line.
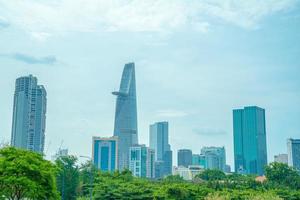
[67, 177]
[26, 175]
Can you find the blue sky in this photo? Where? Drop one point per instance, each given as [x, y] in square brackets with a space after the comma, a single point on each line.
[195, 62]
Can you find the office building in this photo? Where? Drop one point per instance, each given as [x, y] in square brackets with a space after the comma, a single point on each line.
[184, 157]
[142, 161]
[215, 157]
[105, 153]
[159, 141]
[250, 146]
[199, 159]
[281, 158]
[293, 147]
[29, 115]
[125, 127]
[188, 173]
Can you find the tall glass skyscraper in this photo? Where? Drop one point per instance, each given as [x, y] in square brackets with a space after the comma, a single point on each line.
[250, 146]
[105, 153]
[293, 147]
[29, 115]
[159, 141]
[126, 115]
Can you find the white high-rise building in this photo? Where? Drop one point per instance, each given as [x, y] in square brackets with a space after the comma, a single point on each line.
[29, 115]
[142, 161]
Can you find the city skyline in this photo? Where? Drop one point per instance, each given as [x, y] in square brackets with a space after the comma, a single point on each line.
[191, 78]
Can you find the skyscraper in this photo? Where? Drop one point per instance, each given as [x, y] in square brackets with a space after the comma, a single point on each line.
[29, 114]
[250, 146]
[293, 146]
[105, 153]
[142, 161]
[215, 157]
[126, 115]
[159, 141]
[184, 157]
[199, 159]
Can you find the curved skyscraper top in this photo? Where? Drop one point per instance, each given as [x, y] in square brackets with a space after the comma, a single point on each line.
[126, 115]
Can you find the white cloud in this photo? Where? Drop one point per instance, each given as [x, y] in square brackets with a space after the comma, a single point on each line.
[60, 16]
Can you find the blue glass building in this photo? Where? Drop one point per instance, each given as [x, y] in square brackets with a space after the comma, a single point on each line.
[199, 159]
[250, 146]
[29, 115]
[105, 153]
[126, 115]
[293, 147]
[215, 157]
[159, 141]
[184, 157]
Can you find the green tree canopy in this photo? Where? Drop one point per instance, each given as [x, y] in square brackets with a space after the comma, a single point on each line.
[280, 174]
[26, 175]
[212, 175]
[68, 177]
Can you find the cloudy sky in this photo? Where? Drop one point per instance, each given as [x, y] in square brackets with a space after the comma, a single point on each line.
[195, 62]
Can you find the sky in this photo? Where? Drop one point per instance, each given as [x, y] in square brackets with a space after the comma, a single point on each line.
[195, 61]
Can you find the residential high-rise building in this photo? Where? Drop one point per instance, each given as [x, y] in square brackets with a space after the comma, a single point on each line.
[215, 157]
[184, 157]
[125, 126]
[142, 161]
[105, 153]
[250, 146]
[159, 141]
[29, 114]
[293, 146]
[199, 159]
[281, 158]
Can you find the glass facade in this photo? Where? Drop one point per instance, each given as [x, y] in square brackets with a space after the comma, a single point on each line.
[184, 157]
[250, 147]
[159, 141]
[29, 115]
[125, 126]
[105, 153]
[199, 159]
[215, 157]
[142, 161]
[293, 146]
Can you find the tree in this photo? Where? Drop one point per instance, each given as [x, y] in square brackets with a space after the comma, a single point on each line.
[87, 172]
[212, 175]
[279, 174]
[68, 177]
[26, 175]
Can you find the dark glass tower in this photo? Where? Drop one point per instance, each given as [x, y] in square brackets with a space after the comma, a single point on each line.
[184, 157]
[29, 115]
[126, 115]
[250, 146]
